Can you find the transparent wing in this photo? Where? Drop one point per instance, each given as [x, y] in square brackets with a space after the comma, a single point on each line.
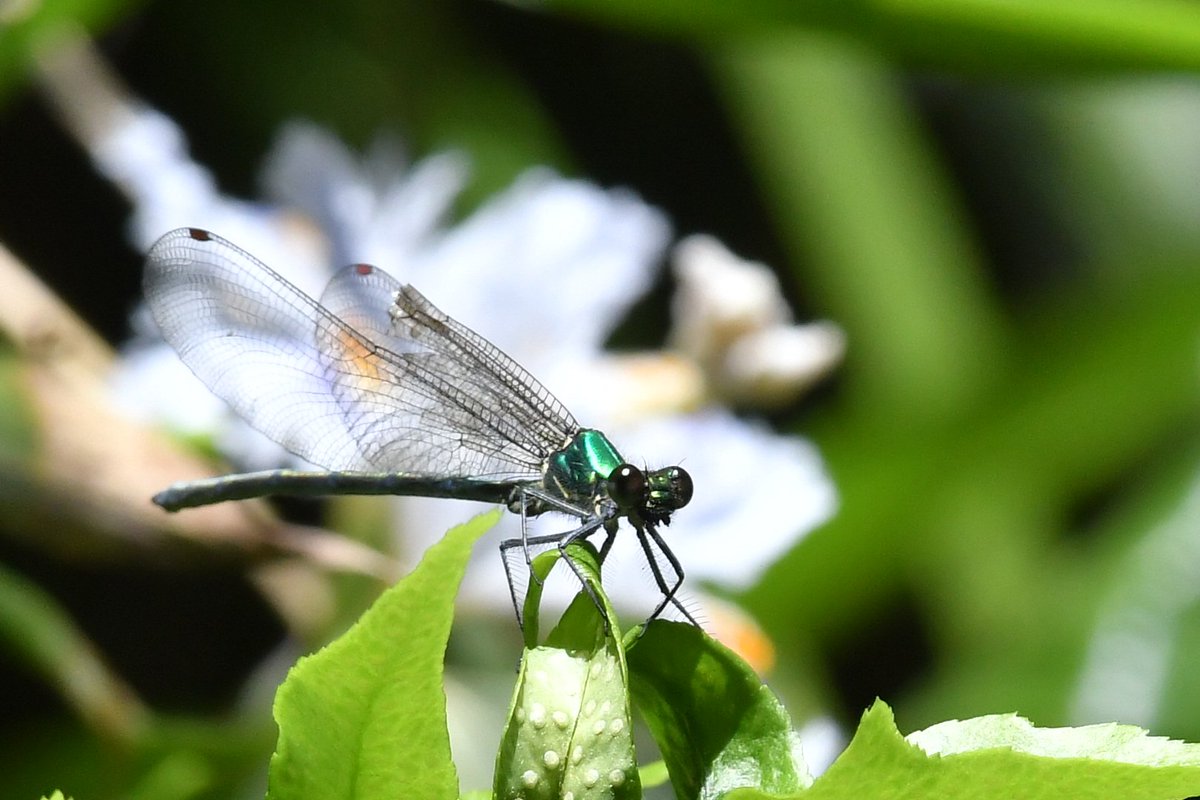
[378, 380]
[437, 392]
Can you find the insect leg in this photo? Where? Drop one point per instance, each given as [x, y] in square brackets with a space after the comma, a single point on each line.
[582, 532]
[668, 592]
[610, 528]
[525, 541]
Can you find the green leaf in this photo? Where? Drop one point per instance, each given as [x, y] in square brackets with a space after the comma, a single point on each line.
[570, 727]
[717, 725]
[1004, 756]
[1011, 36]
[1126, 744]
[366, 716]
[654, 774]
[539, 570]
[179, 775]
[583, 625]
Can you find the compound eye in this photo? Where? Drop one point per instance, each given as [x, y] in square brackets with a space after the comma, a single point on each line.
[627, 486]
[681, 486]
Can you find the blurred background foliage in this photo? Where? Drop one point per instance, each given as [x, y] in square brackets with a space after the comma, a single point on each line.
[999, 203]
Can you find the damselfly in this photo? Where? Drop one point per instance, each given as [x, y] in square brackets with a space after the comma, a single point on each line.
[391, 396]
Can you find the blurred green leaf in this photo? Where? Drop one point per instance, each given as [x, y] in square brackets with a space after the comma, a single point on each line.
[178, 776]
[973, 512]
[654, 774]
[870, 220]
[18, 422]
[39, 632]
[964, 34]
[25, 26]
[717, 725]
[366, 716]
[1138, 643]
[1107, 375]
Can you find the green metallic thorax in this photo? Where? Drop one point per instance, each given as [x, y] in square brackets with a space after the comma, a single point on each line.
[576, 471]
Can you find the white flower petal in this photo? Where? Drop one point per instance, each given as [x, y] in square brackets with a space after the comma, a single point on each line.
[769, 368]
[548, 267]
[822, 740]
[721, 297]
[152, 383]
[373, 210]
[730, 316]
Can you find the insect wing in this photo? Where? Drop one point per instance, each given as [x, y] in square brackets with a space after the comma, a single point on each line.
[372, 378]
[247, 333]
[419, 388]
